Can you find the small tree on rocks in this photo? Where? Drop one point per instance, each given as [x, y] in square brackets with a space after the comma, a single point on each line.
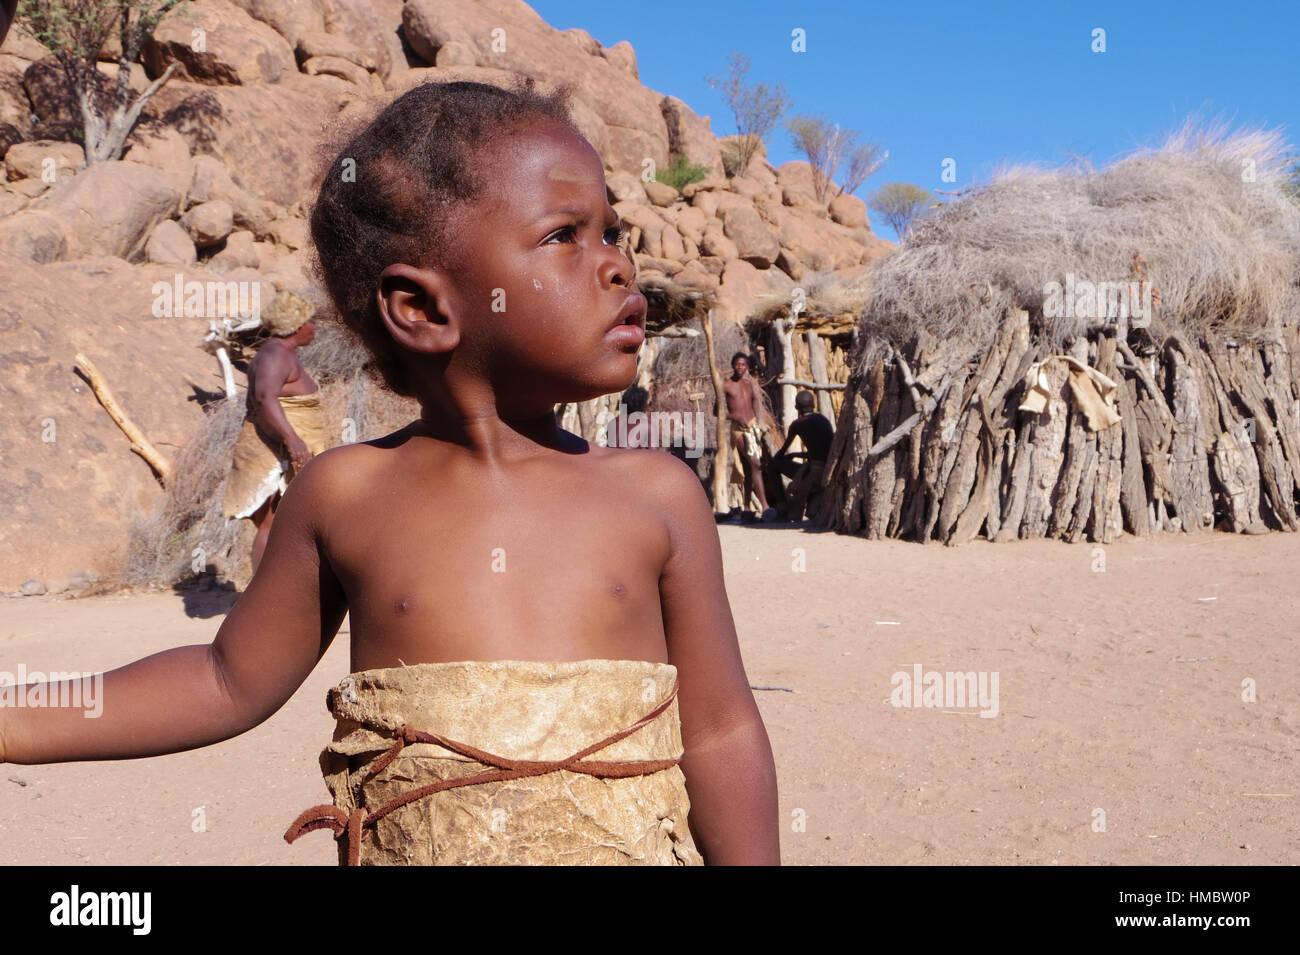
[826, 146]
[899, 204]
[757, 108]
[75, 31]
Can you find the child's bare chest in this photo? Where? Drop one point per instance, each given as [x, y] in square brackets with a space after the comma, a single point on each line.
[489, 569]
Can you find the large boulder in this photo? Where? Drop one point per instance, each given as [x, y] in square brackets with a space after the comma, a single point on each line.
[165, 150]
[693, 275]
[208, 223]
[509, 35]
[43, 159]
[137, 77]
[21, 43]
[169, 244]
[849, 211]
[660, 193]
[744, 288]
[267, 136]
[320, 43]
[714, 243]
[33, 235]
[212, 181]
[289, 18]
[689, 135]
[400, 54]
[232, 47]
[292, 233]
[623, 186]
[755, 242]
[691, 223]
[338, 66]
[240, 251]
[816, 242]
[110, 208]
[795, 179]
[363, 24]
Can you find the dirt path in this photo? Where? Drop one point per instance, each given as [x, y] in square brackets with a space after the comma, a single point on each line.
[1119, 691]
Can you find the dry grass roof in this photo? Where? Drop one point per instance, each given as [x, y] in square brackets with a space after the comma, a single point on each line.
[1206, 211]
[831, 305]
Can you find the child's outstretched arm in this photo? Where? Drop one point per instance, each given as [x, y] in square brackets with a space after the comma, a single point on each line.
[730, 774]
[191, 696]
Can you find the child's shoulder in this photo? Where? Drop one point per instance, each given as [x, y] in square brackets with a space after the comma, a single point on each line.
[665, 476]
[337, 473]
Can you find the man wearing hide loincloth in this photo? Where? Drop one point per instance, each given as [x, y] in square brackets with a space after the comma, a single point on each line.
[746, 411]
[283, 429]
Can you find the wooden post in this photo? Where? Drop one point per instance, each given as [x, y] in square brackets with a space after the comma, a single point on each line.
[817, 359]
[722, 461]
[785, 337]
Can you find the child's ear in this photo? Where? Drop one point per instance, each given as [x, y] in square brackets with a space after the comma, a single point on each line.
[417, 306]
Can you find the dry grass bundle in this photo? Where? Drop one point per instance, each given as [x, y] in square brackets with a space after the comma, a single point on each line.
[1207, 212]
[671, 303]
[826, 296]
[186, 528]
[335, 354]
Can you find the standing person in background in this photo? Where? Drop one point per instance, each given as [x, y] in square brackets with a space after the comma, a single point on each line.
[283, 429]
[749, 418]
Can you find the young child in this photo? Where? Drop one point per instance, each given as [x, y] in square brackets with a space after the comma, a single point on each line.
[542, 646]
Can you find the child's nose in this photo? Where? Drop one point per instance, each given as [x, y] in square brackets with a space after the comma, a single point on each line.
[618, 267]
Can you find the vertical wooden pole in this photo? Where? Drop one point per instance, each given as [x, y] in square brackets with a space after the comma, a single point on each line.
[785, 337]
[722, 461]
[817, 360]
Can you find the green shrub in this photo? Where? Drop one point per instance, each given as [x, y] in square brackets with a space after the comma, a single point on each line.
[680, 172]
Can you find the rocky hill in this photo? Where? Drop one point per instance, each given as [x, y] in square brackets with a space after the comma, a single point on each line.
[214, 187]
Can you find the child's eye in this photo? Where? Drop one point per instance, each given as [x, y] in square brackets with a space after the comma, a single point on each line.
[563, 235]
[614, 235]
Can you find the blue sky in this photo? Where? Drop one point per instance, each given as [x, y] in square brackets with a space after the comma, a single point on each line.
[982, 83]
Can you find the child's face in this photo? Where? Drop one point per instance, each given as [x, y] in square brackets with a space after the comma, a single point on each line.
[545, 279]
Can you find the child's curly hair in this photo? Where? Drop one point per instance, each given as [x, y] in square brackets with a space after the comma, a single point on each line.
[387, 195]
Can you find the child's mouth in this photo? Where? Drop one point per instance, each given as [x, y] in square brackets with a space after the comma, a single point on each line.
[629, 335]
[629, 325]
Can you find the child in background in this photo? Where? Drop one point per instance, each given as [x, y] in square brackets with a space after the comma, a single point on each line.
[545, 666]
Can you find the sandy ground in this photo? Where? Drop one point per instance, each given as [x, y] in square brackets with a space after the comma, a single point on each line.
[1121, 735]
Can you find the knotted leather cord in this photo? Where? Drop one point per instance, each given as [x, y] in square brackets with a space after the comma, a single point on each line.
[350, 827]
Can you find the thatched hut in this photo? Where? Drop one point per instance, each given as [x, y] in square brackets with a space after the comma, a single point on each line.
[807, 340]
[1079, 353]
